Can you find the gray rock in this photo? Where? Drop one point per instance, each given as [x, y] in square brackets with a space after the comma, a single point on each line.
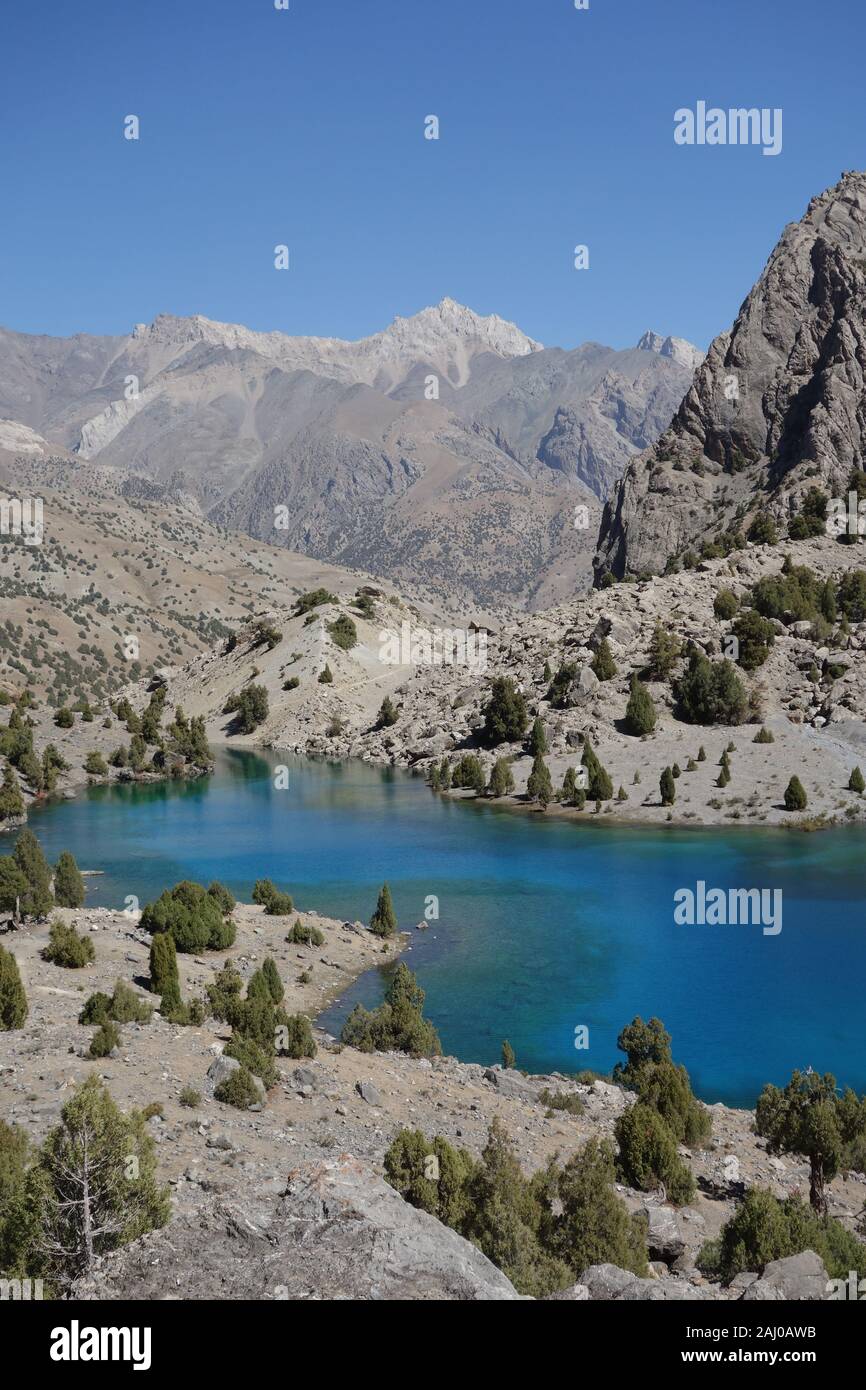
[339, 1231]
[368, 1092]
[798, 1278]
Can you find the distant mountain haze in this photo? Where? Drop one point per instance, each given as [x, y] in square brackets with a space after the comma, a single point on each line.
[449, 451]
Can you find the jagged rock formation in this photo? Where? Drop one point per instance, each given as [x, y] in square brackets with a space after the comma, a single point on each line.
[448, 451]
[778, 405]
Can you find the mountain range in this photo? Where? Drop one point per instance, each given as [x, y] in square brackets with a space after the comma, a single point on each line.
[449, 451]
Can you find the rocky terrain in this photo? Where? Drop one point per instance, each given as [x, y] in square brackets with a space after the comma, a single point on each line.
[817, 725]
[448, 452]
[778, 405]
[288, 1200]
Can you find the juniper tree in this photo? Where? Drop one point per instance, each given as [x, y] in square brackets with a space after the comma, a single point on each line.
[11, 800]
[13, 886]
[68, 883]
[501, 779]
[667, 787]
[67, 947]
[505, 714]
[599, 786]
[539, 786]
[38, 899]
[537, 742]
[96, 1185]
[387, 715]
[163, 964]
[384, 920]
[640, 712]
[795, 796]
[508, 1057]
[664, 652]
[808, 1117]
[603, 663]
[13, 1000]
[855, 781]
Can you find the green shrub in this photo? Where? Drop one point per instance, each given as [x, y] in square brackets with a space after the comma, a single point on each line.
[95, 765]
[763, 1229]
[856, 782]
[239, 1090]
[764, 736]
[509, 1060]
[224, 899]
[398, 1025]
[664, 653]
[469, 773]
[755, 636]
[648, 1154]
[295, 1037]
[190, 1098]
[725, 604]
[254, 1057]
[13, 1000]
[326, 676]
[104, 1040]
[343, 632]
[67, 948]
[314, 599]
[710, 692]
[250, 708]
[763, 530]
[305, 936]
[388, 714]
[192, 916]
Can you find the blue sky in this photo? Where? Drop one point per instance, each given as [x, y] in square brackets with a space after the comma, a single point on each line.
[305, 127]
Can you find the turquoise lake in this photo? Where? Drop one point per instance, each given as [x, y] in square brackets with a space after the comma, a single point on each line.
[544, 925]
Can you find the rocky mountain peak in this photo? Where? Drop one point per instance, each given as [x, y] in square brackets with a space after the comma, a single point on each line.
[679, 349]
[779, 403]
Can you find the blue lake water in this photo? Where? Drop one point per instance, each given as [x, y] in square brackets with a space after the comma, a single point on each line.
[544, 924]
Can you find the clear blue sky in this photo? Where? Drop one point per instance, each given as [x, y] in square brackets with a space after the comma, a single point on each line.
[305, 127]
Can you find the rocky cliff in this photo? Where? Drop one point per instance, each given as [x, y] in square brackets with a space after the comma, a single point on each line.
[778, 405]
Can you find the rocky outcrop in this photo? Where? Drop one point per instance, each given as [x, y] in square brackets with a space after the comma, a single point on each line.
[778, 405]
[338, 1231]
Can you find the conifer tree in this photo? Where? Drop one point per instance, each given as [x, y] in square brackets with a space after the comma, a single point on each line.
[855, 781]
[599, 785]
[537, 739]
[795, 795]
[640, 712]
[667, 787]
[501, 779]
[603, 663]
[11, 800]
[38, 900]
[164, 976]
[68, 883]
[384, 919]
[13, 1003]
[539, 786]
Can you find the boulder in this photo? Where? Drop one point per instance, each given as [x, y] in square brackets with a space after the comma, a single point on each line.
[797, 1278]
[338, 1231]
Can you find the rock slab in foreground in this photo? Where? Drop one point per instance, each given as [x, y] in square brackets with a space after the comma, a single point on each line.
[338, 1232]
